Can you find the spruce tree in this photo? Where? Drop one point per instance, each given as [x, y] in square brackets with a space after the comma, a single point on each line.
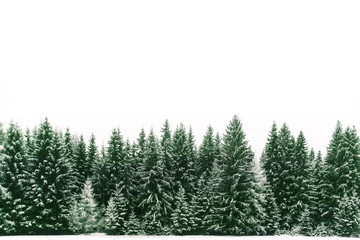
[115, 161]
[181, 217]
[182, 165]
[271, 210]
[80, 166]
[155, 202]
[112, 225]
[206, 154]
[133, 225]
[15, 178]
[117, 213]
[83, 215]
[91, 157]
[240, 211]
[6, 226]
[100, 179]
[284, 183]
[48, 177]
[166, 148]
[344, 162]
[301, 186]
[63, 184]
[347, 216]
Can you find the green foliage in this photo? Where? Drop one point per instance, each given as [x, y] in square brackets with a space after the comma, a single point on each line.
[206, 154]
[169, 187]
[133, 225]
[91, 157]
[81, 166]
[239, 211]
[15, 177]
[181, 217]
[100, 179]
[347, 216]
[155, 202]
[83, 215]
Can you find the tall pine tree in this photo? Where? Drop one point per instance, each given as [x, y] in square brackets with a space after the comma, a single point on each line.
[15, 178]
[240, 211]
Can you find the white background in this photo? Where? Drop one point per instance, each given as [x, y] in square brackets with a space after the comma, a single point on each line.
[95, 65]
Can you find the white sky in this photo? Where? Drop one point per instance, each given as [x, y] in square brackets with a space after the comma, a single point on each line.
[95, 65]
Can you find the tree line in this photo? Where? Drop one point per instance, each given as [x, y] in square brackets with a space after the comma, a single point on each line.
[52, 182]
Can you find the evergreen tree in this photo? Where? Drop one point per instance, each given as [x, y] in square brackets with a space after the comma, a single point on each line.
[84, 216]
[347, 216]
[116, 213]
[115, 161]
[100, 179]
[284, 181]
[166, 148]
[48, 177]
[240, 211]
[302, 185]
[112, 225]
[81, 166]
[91, 157]
[133, 225]
[342, 176]
[63, 184]
[154, 201]
[271, 210]
[182, 177]
[138, 160]
[6, 226]
[270, 158]
[15, 177]
[181, 216]
[206, 154]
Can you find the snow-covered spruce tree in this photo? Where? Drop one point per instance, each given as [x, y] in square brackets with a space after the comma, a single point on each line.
[91, 157]
[68, 154]
[239, 212]
[302, 185]
[6, 226]
[284, 185]
[343, 174]
[155, 202]
[115, 162]
[80, 163]
[270, 161]
[206, 154]
[48, 182]
[167, 148]
[111, 223]
[347, 216]
[83, 214]
[272, 215]
[15, 176]
[100, 179]
[138, 155]
[63, 184]
[115, 216]
[133, 225]
[128, 185]
[181, 217]
[180, 154]
[192, 159]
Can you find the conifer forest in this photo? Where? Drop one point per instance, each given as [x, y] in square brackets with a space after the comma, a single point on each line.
[55, 182]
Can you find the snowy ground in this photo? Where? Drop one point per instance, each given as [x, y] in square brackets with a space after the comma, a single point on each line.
[102, 236]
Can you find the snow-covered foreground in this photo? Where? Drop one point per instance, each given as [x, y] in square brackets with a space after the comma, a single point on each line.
[102, 236]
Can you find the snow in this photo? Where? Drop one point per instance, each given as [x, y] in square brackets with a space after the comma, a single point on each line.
[103, 236]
